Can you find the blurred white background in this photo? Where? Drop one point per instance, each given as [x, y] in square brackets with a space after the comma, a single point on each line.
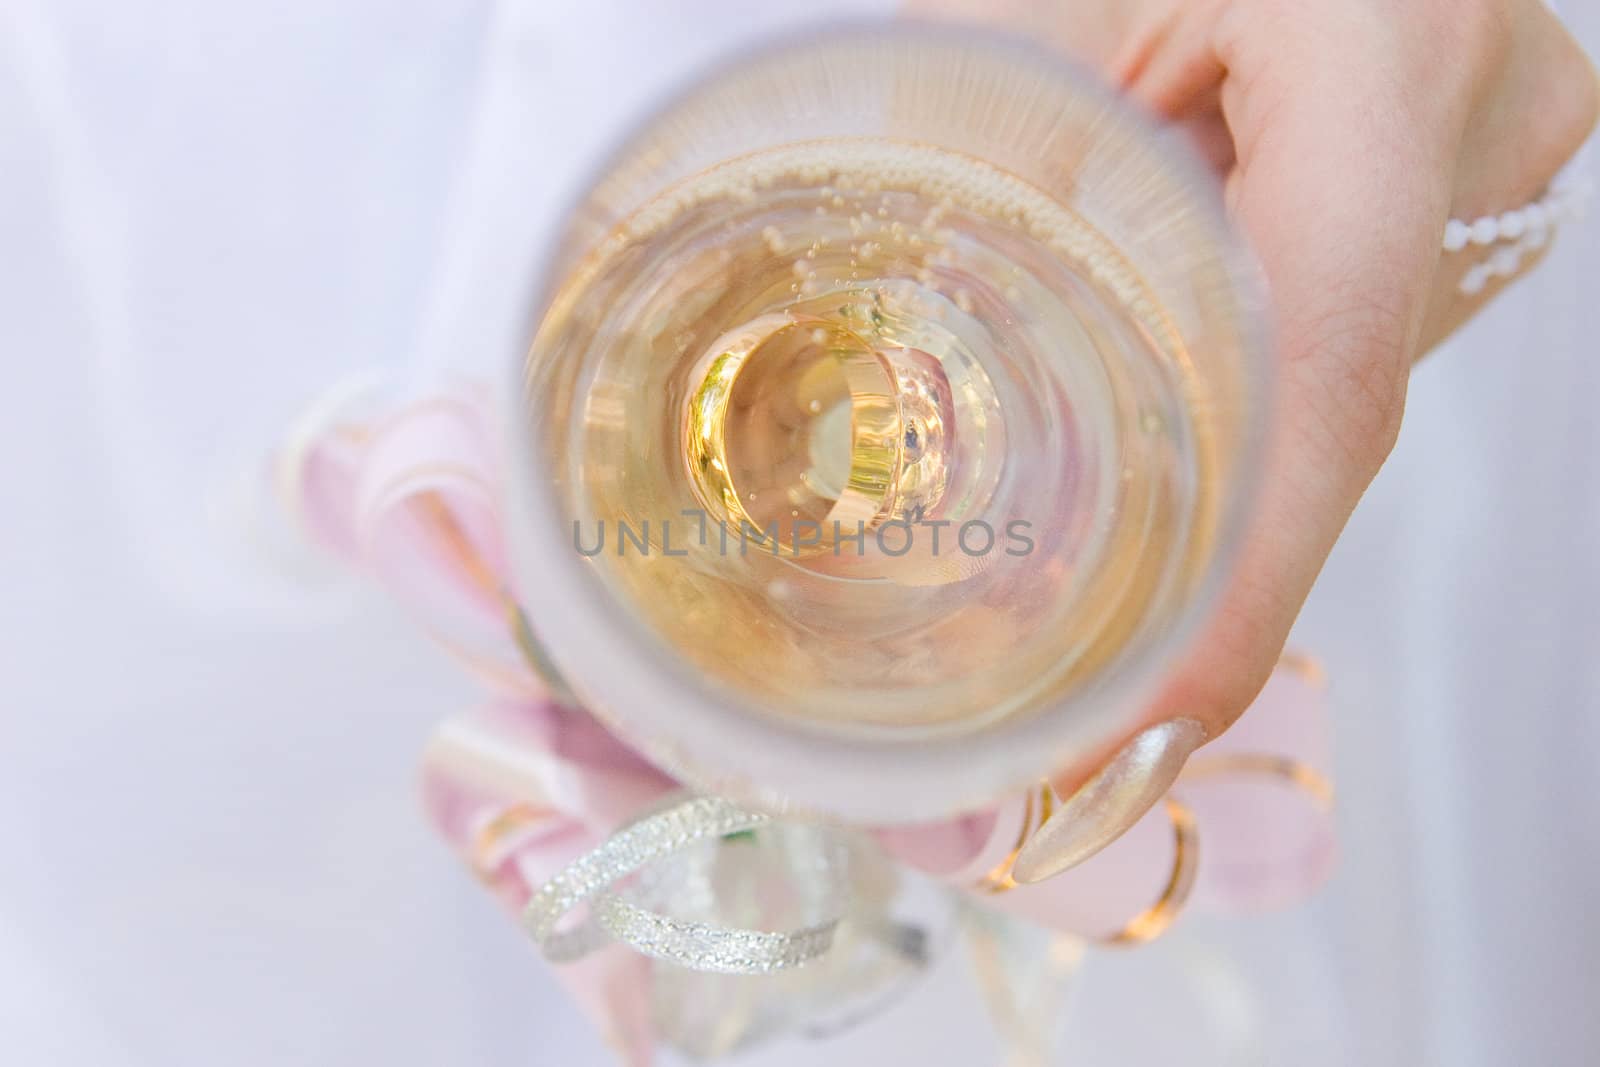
[212, 851]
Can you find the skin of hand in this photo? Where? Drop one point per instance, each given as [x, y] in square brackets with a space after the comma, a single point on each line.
[1348, 132]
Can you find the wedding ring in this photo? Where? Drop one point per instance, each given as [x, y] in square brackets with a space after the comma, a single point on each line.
[793, 420]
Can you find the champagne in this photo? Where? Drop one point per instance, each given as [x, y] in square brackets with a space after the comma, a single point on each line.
[891, 404]
[817, 366]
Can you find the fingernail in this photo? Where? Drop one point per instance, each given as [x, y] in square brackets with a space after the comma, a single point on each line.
[1108, 804]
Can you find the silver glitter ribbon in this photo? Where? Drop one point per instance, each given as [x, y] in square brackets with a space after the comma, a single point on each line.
[592, 878]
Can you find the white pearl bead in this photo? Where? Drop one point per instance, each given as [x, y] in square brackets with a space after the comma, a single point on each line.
[1516, 234]
[1506, 261]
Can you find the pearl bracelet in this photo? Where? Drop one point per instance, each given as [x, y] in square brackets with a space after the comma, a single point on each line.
[1527, 230]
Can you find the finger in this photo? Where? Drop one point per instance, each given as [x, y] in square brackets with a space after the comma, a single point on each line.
[1168, 61]
[1203, 123]
[1343, 185]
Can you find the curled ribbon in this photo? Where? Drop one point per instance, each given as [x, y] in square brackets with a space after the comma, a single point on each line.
[529, 784]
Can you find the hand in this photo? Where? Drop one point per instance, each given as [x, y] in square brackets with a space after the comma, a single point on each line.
[1348, 132]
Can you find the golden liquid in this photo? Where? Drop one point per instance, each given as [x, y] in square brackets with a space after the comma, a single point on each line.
[814, 348]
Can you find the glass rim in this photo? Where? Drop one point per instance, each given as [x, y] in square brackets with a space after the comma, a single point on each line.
[711, 738]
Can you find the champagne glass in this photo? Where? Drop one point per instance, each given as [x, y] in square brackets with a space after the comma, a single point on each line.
[893, 408]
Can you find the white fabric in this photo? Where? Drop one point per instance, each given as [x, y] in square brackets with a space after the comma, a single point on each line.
[212, 851]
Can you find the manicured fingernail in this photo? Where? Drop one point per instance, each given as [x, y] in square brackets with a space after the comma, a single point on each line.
[1108, 804]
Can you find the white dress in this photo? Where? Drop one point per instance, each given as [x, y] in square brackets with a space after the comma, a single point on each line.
[212, 848]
